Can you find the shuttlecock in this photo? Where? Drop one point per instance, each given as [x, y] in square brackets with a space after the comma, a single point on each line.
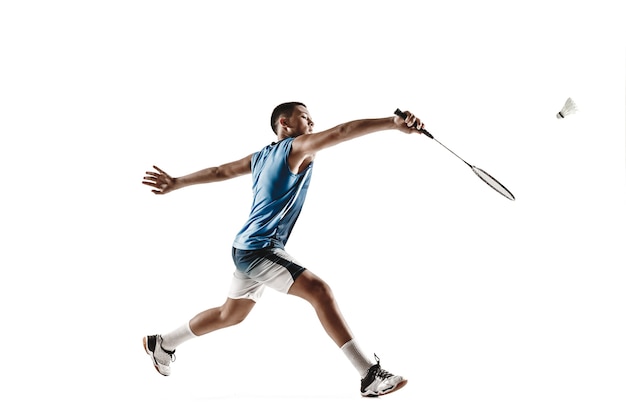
[568, 108]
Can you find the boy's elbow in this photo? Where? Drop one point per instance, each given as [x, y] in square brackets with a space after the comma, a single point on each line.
[221, 173]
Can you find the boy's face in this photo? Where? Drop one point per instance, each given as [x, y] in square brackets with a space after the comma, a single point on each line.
[300, 122]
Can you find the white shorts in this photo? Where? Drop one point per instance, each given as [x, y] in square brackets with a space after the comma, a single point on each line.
[256, 269]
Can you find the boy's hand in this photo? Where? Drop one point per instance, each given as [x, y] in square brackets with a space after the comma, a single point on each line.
[160, 181]
[409, 124]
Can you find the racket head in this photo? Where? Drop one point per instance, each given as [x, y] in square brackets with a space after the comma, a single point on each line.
[493, 183]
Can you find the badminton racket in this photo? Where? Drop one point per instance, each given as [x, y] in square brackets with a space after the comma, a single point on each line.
[483, 175]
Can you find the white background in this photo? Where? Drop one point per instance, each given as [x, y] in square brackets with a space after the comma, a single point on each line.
[488, 306]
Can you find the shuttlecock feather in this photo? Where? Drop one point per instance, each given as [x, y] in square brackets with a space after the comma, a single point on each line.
[568, 108]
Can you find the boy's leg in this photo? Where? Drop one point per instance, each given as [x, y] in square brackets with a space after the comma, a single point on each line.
[232, 312]
[314, 290]
[161, 348]
[375, 381]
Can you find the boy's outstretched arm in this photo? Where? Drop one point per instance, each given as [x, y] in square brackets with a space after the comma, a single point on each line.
[162, 183]
[309, 144]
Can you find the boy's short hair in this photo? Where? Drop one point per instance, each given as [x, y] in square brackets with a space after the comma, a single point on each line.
[283, 110]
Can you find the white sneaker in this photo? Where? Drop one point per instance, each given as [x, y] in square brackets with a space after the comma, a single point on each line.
[379, 382]
[161, 358]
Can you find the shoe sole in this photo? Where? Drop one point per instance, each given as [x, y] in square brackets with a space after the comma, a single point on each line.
[145, 347]
[401, 384]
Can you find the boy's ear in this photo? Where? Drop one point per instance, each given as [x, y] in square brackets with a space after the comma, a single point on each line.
[283, 122]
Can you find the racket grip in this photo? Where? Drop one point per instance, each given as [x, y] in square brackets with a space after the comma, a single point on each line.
[402, 114]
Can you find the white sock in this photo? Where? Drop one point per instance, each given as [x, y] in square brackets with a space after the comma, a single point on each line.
[355, 355]
[174, 338]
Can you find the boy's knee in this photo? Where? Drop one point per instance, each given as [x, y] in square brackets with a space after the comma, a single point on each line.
[230, 316]
[320, 291]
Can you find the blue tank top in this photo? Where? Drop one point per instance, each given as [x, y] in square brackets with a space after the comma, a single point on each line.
[277, 198]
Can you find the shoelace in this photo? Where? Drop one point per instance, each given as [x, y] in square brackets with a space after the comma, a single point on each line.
[380, 372]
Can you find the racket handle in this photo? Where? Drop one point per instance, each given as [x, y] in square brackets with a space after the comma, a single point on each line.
[402, 114]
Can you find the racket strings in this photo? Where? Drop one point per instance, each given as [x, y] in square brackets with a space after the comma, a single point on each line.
[493, 183]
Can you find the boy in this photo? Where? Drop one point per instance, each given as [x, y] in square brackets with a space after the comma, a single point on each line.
[281, 173]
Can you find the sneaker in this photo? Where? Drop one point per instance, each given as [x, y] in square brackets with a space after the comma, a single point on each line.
[379, 382]
[161, 358]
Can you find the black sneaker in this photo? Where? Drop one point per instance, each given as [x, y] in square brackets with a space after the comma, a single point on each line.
[161, 358]
[379, 382]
